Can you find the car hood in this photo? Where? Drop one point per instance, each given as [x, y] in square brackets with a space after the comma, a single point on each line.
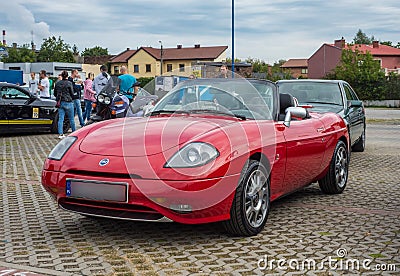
[134, 137]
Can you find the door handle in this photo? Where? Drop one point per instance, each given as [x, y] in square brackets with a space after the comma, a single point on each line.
[320, 129]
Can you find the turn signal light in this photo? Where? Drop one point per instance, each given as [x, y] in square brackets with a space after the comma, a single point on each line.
[94, 105]
[113, 112]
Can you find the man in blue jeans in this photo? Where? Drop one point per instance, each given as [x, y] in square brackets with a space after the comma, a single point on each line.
[76, 80]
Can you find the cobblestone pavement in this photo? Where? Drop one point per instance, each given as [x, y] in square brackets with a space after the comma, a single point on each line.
[358, 225]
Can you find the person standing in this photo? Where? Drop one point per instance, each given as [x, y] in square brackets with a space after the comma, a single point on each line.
[44, 85]
[76, 82]
[88, 96]
[33, 84]
[126, 86]
[101, 79]
[64, 91]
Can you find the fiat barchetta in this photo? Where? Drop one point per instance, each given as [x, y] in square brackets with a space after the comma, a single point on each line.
[210, 150]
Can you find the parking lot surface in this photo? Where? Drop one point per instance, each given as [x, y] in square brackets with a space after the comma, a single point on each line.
[307, 232]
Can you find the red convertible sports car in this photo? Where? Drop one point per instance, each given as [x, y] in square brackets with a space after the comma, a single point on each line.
[210, 150]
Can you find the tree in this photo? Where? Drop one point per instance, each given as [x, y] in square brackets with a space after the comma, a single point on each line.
[20, 54]
[95, 51]
[387, 43]
[55, 50]
[362, 72]
[362, 38]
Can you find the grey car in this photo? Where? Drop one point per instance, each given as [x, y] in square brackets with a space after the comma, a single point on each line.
[331, 96]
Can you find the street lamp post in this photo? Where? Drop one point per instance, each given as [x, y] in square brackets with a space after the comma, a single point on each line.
[162, 53]
[233, 39]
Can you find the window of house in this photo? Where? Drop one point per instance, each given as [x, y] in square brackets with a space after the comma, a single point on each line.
[169, 67]
[304, 71]
[148, 68]
[136, 68]
[181, 67]
[116, 70]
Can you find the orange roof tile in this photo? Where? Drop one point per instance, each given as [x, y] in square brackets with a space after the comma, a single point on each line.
[124, 56]
[381, 50]
[191, 53]
[300, 62]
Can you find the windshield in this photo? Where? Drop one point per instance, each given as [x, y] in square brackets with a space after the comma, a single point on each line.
[231, 97]
[313, 92]
[111, 86]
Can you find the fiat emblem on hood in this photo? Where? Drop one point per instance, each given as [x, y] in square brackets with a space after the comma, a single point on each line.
[104, 162]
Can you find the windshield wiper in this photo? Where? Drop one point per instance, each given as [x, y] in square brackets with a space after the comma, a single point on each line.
[218, 112]
[161, 111]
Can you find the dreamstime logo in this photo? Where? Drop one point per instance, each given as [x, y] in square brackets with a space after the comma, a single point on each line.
[332, 263]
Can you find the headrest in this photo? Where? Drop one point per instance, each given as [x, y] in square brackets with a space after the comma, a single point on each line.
[285, 101]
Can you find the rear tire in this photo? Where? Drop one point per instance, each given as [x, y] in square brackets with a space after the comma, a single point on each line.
[334, 181]
[360, 145]
[251, 204]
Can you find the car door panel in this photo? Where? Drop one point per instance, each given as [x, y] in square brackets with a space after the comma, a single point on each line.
[353, 114]
[305, 149]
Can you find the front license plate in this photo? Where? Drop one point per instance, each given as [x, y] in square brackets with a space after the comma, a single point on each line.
[96, 190]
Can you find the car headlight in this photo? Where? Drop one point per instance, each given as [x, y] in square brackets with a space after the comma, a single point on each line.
[100, 98]
[107, 100]
[62, 147]
[192, 155]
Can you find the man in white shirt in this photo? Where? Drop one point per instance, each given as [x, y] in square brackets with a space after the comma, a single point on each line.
[33, 84]
[44, 85]
[101, 79]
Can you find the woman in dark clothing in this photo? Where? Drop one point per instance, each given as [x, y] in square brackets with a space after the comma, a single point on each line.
[64, 91]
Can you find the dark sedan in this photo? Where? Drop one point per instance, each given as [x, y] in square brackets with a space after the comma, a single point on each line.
[21, 111]
[331, 96]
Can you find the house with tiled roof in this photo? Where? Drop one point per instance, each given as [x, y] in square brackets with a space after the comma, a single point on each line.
[120, 60]
[328, 56]
[297, 67]
[151, 62]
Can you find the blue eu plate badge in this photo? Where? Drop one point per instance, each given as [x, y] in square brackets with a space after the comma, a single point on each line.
[68, 188]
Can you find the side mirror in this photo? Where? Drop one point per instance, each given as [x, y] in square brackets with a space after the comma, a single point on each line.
[354, 103]
[295, 112]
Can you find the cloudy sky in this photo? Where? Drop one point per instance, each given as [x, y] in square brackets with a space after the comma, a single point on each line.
[267, 30]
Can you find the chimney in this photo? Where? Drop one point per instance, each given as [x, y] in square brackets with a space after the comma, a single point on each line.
[375, 44]
[179, 46]
[128, 49]
[196, 45]
[340, 43]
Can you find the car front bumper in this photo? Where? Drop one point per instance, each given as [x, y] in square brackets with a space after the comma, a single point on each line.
[189, 202]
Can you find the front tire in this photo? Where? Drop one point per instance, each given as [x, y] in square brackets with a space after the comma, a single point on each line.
[251, 204]
[334, 182]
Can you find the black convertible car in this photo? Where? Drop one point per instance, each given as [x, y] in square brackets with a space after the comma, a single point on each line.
[21, 111]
